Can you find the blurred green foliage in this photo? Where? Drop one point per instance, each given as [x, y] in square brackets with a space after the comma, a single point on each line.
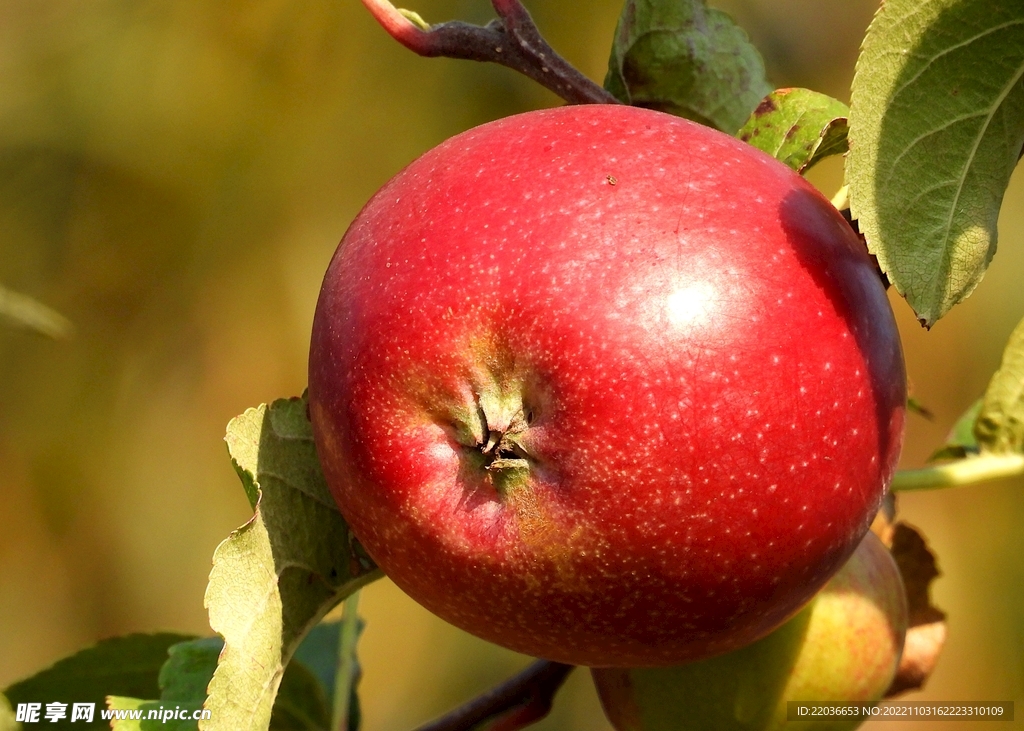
[174, 176]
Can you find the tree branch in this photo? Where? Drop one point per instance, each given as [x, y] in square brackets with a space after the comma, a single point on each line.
[516, 703]
[513, 41]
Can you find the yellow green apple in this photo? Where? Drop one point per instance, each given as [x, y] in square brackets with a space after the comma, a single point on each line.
[844, 646]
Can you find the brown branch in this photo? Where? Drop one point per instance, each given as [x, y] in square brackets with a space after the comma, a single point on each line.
[516, 703]
[512, 40]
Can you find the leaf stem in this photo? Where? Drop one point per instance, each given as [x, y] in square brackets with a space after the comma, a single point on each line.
[512, 40]
[961, 472]
[345, 677]
[518, 702]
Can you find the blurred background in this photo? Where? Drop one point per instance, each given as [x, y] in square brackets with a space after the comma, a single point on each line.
[175, 175]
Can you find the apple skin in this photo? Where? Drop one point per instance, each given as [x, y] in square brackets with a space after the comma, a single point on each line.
[605, 386]
[844, 646]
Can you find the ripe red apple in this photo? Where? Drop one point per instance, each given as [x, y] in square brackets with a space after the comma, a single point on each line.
[844, 646]
[605, 386]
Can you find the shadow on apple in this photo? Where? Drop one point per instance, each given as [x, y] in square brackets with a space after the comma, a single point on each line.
[848, 284]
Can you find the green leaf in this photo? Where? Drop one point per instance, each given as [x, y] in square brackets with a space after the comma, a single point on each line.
[183, 681]
[119, 666]
[7, 719]
[917, 407]
[681, 57]
[318, 651]
[798, 127]
[188, 671]
[26, 312]
[961, 442]
[275, 577]
[325, 649]
[301, 703]
[936, 128]
[999, 427]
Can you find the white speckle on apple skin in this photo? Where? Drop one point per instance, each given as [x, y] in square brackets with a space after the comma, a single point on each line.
[626, 325]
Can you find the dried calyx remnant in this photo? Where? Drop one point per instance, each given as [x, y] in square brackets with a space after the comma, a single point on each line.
[503, 449]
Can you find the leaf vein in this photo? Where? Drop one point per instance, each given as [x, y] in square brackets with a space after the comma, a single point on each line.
[974, 148]
[950, 49]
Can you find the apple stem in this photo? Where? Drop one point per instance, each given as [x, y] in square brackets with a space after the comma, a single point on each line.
[520, 701]
[512, 40]
[961, 472]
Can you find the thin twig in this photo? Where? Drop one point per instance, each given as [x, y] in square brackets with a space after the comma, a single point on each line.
[519, 701]
[346, 676]
[512, 40]
[27, 312]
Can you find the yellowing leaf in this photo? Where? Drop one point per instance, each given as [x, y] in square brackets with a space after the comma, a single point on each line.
[279, 574]
[999, 426]
[798, 127]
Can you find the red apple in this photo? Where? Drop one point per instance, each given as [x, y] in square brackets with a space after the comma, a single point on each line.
[844, 646]
[605, 386]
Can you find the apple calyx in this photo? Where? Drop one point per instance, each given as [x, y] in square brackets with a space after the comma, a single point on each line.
[503, 449]
[493, 436]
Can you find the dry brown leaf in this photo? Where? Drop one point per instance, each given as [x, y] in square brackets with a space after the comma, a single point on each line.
[926, 633]
[921, 652]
